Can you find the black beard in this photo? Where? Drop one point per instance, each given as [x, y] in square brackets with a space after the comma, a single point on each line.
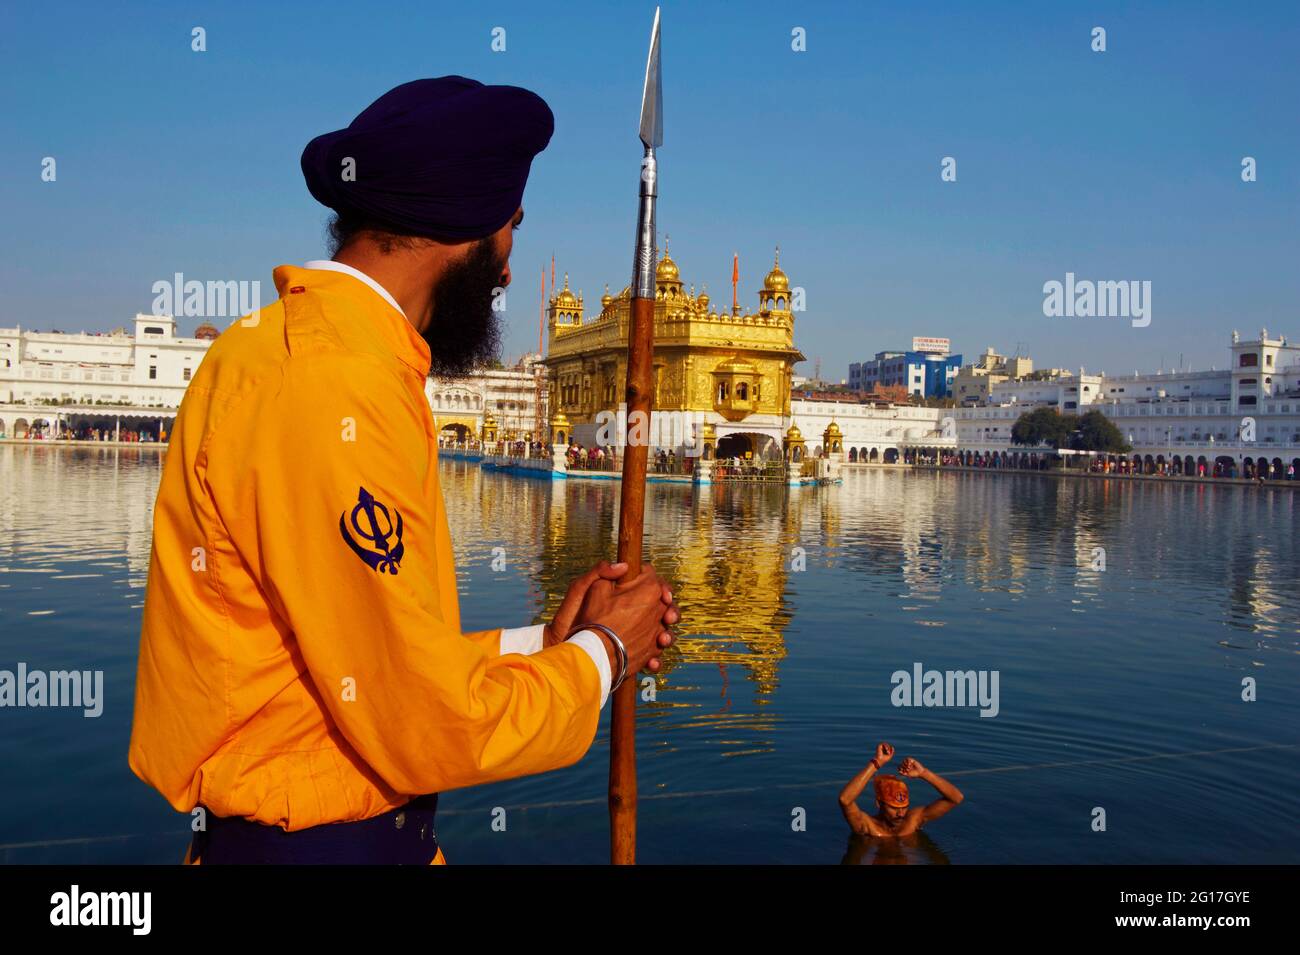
[464, 332]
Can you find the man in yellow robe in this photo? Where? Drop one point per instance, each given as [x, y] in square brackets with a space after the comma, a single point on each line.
[303, 679]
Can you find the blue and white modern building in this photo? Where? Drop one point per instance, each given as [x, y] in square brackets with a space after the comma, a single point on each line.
[927, 370]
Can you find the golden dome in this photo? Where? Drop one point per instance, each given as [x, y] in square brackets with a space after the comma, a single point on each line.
[833, 428]
[776, 281]
[793, 433]
[566, 299]
[606, 299]
[667, 271]
[559, 419]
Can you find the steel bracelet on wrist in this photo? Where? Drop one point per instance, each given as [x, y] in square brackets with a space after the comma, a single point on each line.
[618, 646]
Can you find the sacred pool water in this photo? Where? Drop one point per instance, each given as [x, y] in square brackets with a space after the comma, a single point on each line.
[1133, 647]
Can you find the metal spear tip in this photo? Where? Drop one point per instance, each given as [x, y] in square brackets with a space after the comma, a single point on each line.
[652, 98]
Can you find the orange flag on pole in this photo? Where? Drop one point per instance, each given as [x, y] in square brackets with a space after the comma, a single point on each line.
[735, 277]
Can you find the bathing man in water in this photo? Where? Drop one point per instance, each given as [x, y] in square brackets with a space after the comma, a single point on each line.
[895, 816]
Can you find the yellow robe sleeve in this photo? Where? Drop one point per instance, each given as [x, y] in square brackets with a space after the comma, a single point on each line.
[509, 640]
[339, 514]
[488, 640]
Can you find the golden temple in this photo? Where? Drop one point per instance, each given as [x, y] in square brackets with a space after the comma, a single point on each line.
[735, 368]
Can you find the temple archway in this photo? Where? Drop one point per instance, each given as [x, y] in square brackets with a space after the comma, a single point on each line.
[457, 429]
[735, 446]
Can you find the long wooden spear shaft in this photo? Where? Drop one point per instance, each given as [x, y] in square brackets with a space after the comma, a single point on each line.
[631, 516]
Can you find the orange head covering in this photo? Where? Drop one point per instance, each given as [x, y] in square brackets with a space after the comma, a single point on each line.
[891, 791]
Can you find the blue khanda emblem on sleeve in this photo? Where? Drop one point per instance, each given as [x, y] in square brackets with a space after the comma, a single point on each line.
[371, 522]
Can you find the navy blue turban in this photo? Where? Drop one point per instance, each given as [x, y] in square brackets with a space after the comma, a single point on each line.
[445, 158]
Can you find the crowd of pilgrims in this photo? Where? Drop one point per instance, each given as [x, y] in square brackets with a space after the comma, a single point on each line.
[580, 457]
[1119, 464]
[589, 459]
[88, 433]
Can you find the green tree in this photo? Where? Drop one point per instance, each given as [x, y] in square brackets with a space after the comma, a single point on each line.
[1043, 426]
[1096, 432]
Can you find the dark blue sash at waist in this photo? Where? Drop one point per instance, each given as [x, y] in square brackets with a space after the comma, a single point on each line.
[402, 836]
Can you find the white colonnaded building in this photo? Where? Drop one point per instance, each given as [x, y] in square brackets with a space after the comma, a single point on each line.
[872, 433]
[133, 381]
[1246, 413]
[103, 386]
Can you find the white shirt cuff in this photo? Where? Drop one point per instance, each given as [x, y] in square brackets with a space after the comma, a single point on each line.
[523, 640]
[595, 648]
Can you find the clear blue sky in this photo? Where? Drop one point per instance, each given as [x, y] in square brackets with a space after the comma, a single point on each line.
[1115, 165]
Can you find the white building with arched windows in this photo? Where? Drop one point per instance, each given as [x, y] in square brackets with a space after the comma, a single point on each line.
[51, 380]
[510, 395]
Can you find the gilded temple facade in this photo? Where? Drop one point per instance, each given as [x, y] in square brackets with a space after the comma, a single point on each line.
[731, 369]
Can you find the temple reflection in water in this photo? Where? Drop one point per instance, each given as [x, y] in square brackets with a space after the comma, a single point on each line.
[734, 599]
[744, 559]
[884, 552]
